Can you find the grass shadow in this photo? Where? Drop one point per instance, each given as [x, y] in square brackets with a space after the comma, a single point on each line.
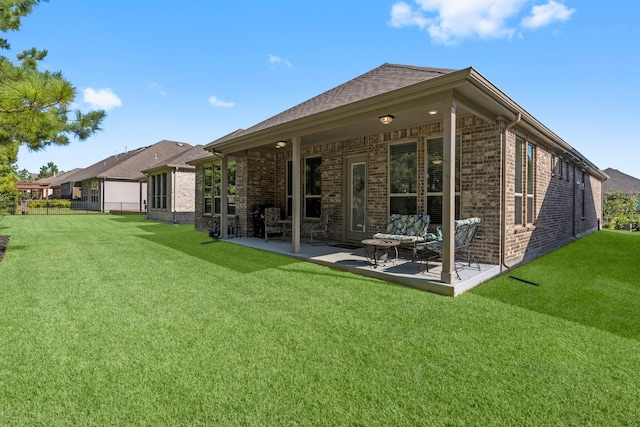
[198, 244]
[593, 281]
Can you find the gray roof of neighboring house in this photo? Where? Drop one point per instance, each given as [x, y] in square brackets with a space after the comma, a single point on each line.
[182, 159]
[386, 78]
[620, 181]
[129, 165]
[57, 179]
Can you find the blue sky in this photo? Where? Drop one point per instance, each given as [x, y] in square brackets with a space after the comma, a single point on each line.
[195, 70]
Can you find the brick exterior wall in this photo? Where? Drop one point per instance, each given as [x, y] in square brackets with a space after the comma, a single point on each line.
[261, 179]
[558, 197]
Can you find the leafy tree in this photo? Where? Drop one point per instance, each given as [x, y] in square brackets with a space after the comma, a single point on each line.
[620, 209]
[48, 170]
[24, 175]
[34, 104]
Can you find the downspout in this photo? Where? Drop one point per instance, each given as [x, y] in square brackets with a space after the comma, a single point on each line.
[503, 214]
[173, 195]
[102, 195]
[573, 206]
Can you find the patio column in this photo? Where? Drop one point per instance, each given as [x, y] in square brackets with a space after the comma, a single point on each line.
[295, 211]
[448, 192]
[224, 199]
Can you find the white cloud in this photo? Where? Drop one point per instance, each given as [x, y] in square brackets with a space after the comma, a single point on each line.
[156, 87]
[103, 99]
[274, 60]
[543, 15]
[213, 100]
[449, 21]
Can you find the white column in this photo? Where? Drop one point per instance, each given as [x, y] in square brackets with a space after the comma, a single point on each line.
[224, 199]
[296, 187]
[448, 192]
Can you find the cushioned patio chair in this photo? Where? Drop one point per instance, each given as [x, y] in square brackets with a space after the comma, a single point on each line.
[319, 227]
[271, 224]
[464, 232]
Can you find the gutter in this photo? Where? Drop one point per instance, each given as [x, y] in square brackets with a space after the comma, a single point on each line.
[503, 214]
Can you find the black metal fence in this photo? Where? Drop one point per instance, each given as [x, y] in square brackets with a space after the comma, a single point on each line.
[69, 207]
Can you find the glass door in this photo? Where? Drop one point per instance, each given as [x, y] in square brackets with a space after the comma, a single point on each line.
[356, 199]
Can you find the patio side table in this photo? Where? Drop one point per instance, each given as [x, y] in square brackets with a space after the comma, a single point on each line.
[381, 246]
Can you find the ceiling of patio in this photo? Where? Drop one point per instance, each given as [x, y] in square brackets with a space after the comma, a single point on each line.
[370, 125]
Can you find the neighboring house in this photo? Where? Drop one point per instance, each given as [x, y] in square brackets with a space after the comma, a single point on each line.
[56, 183]
[114, 183]
[171, 187]
[405, 139]
[619, 181]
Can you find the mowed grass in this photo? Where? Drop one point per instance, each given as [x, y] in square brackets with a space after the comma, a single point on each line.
[115, 320]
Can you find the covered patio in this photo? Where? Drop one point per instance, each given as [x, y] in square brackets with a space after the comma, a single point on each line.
[403, 270]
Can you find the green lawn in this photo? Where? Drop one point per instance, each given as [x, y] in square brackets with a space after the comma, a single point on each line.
[115, 320]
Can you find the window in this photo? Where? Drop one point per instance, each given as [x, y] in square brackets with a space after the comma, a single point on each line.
[313, 187]
[95, 192]
[289, 188]
[524, 183]
[403, 174]
[231, 189]
[159, 191]
[435, 153]
[519, 184]
[530, 182]
[208, 190]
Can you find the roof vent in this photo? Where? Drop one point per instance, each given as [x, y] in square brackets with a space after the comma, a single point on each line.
[180, 144]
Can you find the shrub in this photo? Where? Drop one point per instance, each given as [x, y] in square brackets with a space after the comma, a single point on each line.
[620, 211]
[50, 204]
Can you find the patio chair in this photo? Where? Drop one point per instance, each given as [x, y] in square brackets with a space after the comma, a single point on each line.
[464, 232]
[271, 224]
[319, 227]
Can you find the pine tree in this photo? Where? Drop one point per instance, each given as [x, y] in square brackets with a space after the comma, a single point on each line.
[34, 104]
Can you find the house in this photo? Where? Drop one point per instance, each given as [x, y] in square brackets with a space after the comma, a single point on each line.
[116, 183]
[407, 139]
[55, 184]
[619, 181]
[171, 187]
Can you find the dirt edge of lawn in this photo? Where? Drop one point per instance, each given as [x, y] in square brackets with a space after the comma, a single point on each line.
[4, 241]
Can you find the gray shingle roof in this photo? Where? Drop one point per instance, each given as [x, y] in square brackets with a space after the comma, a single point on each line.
[182, 159]
[386, 78]
[130, 165]
[56, 180]
[620, 181]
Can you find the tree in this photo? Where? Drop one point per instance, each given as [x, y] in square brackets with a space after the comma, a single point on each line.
[34, 104]
[620, 210]
[48, 170]
[8, 177]
[24, 175]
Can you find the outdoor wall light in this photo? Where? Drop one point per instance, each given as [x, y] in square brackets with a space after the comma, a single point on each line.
[433, 112]
[281, 144]
[385, 120]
